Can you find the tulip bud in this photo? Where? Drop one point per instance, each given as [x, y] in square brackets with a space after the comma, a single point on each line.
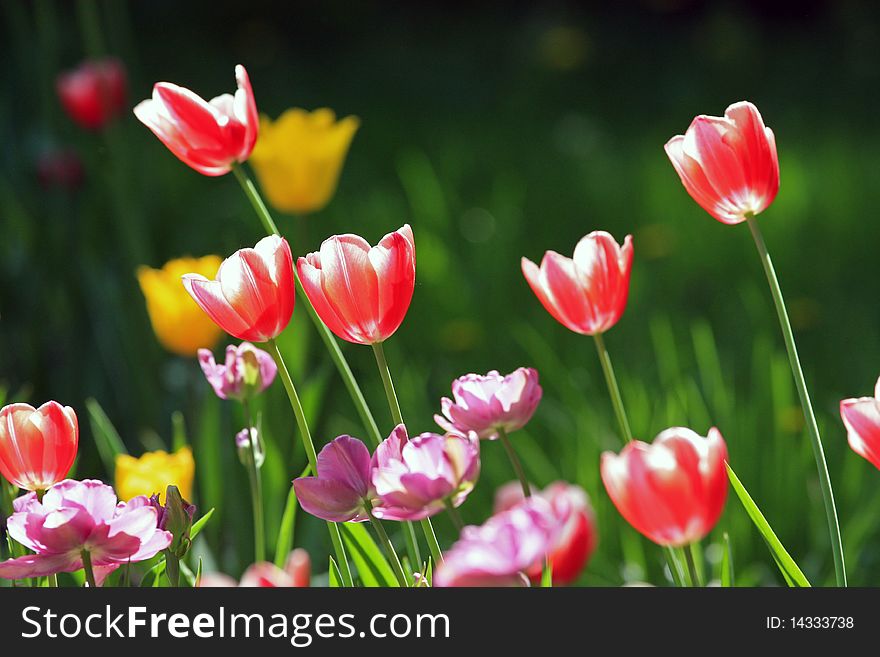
[250, 445]
[176, 517]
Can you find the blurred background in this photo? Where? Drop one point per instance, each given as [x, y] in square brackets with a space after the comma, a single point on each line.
[497, 131]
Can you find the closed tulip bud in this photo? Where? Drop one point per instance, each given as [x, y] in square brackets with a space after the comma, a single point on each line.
[588, 292]
[93, 93]
[247, 371]
[209, 136]
[299, 156]
[252, 296]
[37, 445]
[672, 490]
[178, 322]
[360, 292]
[249, 445]
[728, 164]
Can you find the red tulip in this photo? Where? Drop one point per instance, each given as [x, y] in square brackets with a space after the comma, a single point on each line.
[253, 293]
[37, 445]
[728, 164]
[586, 293]
[208, 136]
[361, 293]
[861, 416]
[672, 490]
[578, 538]
[93, 93]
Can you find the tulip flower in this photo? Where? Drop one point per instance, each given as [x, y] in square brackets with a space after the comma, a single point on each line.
[361, 293]
[342, 490]
[247, 371]
[252, 296]
[417, 478]
[93, 93]
[296, 574]
[672, 490]
[587, 293]
[578, 538]
[37, 445]
[861, 417]
[499, 551]
[154, 472]
[299, 156]
[77, 518]
[491, 403]
[178, 322]
[728, 164]
[211, 137]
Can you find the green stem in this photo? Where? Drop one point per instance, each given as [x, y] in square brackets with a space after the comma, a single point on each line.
[389, 548]
[336, 354]
[454, 514]
[515, 462]
[674, 568]
[806, 405]
[306, 436]
[397, 417]
[613, 388]
[87, 567]
[692, 566]
[256, 485]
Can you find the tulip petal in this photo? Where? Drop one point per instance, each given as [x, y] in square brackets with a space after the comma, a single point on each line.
[328, 500]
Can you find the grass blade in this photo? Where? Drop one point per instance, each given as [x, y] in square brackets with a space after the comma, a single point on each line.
[106, 437]
[787, 566]
[288, 522]
[372, 567]
[727, 564]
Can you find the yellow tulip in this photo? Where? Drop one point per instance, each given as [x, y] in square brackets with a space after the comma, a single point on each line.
[154, 472]
[178, 322]
[299, 156]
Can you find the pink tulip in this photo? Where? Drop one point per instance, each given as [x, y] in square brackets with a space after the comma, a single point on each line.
[672, 490]
[296, 574]
[361, 293]
[37, 445]
[81, 515]
[861, 417]
[341, 491]
[487, 404]
[248, 371]
[253, 293]
[210, 137]
[578, 538]
[586, 293]
[498, 552]
[728, 164]
[93, 93]
[416, 478]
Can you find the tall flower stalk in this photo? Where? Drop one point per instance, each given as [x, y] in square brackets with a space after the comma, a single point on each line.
[730, 167]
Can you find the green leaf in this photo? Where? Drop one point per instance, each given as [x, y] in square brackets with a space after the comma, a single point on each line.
[198, 524]
[198, 578]
[288, 521]
[106, 437]
[371, 564]
[727, 564]
[547, 575]
[787, 566]
[334, 575]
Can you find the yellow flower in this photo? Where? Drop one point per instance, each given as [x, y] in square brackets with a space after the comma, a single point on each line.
[154, 472]
[299, 156]
[178, 322]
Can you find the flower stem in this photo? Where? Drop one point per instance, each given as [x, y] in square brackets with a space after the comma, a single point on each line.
[336, 354]
[306, 436]
[806, 405]
[87, 567]
[397, 417]
[389, 548]
[691, 564]
[515, 462]
[256, 486]
[454, 514]
[613, 389]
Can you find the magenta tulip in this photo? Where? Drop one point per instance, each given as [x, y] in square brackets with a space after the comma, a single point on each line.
[341, 491]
